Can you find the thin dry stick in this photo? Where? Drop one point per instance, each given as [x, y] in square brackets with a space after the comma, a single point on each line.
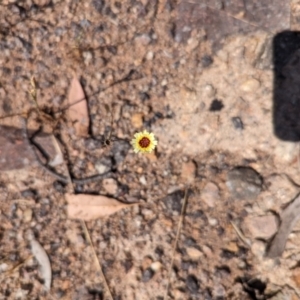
[176, 241]
[87, 234]
[241, 236]
[88, 237]
[15, 268]
[83, 224]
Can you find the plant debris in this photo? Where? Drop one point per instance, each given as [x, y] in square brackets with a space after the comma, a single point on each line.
[289, 218]
[78, 111]
[44, 262]
[89, 207]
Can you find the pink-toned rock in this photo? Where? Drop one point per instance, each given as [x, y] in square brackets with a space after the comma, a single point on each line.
[210, 194]
[262, 226]
[137, 120]
[110, 185]
[194, 253]
[15, 152]
[188, 171]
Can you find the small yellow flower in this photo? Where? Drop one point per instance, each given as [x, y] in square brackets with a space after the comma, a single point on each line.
[143, 142]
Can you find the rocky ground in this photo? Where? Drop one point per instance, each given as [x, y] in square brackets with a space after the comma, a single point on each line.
[217, 83]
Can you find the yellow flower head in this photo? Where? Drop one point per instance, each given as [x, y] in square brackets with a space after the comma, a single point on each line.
[143, 142]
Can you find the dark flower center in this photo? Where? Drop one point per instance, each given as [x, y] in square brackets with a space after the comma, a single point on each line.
[144, 142]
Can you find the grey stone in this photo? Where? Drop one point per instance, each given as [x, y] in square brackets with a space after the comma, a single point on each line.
[147, 275]
[120, 150]
[173, 201]
[192, 284]
[244, 183]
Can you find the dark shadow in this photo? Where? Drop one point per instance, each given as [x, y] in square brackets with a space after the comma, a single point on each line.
[254, 287]
[286, 108]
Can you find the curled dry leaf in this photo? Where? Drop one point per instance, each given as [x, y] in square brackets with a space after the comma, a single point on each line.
[289, 218]
[78, 111]
[59, 158]
[89, 207]
[44, 262]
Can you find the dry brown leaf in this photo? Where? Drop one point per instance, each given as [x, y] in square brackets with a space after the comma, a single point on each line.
[44, 262]
[78, 111]
[90, 207]
[289, 218]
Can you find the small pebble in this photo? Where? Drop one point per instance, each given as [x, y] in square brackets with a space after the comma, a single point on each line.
[119, 150]
[258, 248]
[250, 85]
[143, 180]
[286, 151]
[212, 222]
[178, 294]
[110, 185]
[27, 215]
[173, 201]
[209, 91]
[3, 267]
[262, 226]
[87, 57]
[237, 123]
[194, 253]
[188, 171]
[206, 61]
[207, 251]
[19, 213]
[192, 44]
[156, 266]
[210, 194]
[143, 39]
[164, 82]
[232, 247]
[149, 55]
[146, 263]
[147, 275]
[192, 284]
[244, 183]
[101, 169]
[138, 221]
[137, 120]
[219, 291]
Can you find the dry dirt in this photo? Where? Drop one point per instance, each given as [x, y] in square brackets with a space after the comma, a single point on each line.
[200, 75]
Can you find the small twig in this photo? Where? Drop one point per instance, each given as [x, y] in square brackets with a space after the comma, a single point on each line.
[15, 268]
[176, 241]
[20, 264]
[240, 235]
[87, 234]
[88, 237]
[68, 179]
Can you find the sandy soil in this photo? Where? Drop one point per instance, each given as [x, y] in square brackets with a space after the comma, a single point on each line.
[200, 75]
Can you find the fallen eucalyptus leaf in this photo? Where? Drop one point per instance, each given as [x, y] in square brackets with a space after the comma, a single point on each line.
[78, 111]
[44, 262]
[90, 207]
[289, 218]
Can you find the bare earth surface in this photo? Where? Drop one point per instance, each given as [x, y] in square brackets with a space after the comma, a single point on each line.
[200, 75]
